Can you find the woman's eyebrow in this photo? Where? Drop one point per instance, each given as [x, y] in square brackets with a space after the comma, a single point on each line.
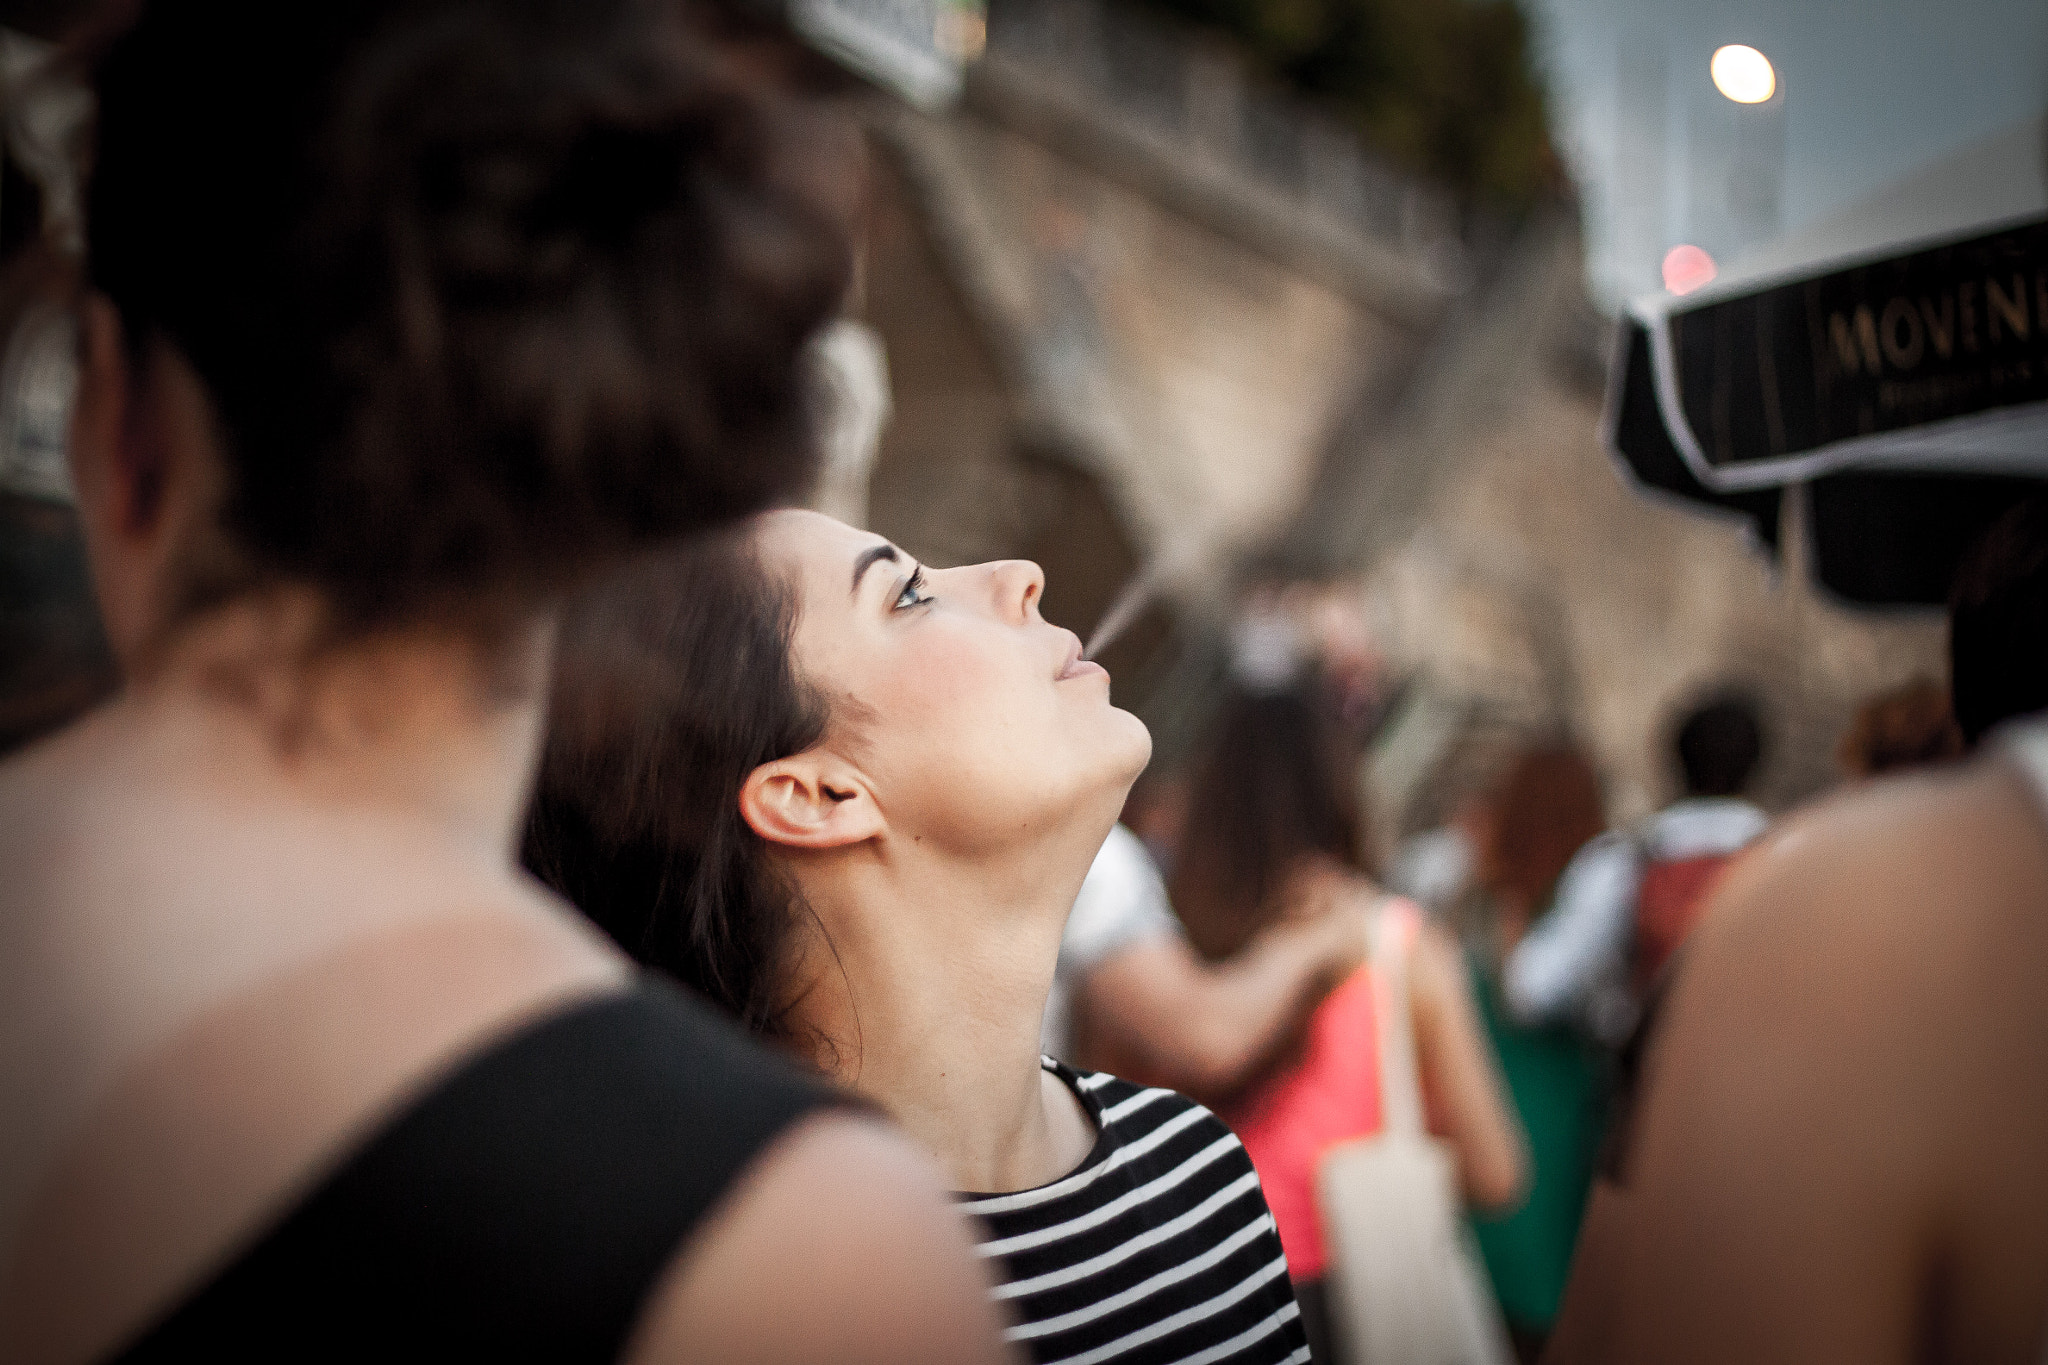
[870, 557]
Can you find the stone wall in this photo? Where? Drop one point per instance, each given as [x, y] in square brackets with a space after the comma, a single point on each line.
[1508, 564]
[1113, 342]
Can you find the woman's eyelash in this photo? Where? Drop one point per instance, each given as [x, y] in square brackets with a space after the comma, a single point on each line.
[910, 591]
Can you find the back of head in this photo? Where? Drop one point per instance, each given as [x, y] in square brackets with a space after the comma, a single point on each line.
[483, 295]
[1718, 746]
[1998, 622]
[1272, 788]
[673, 681]
[1545, 807]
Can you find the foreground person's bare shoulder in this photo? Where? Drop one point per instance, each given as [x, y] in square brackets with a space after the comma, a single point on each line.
[1974, 829]
[1837, 1153]
[837, 1246]
[1891, 913]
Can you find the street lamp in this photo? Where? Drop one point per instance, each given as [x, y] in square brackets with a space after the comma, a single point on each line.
[1743, 74]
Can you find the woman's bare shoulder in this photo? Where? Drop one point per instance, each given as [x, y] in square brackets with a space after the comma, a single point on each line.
[206, 1131]
[837, 1246]
[1894, 877]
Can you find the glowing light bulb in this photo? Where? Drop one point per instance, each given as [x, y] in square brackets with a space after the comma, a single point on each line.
[1686, 268]
[1743, 74]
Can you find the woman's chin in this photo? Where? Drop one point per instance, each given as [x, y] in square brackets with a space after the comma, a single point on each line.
[1133, 743]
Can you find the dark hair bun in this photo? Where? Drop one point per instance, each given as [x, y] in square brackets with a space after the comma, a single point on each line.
[485, 294]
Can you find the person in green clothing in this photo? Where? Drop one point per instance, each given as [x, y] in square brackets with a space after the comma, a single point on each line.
[1545, 808]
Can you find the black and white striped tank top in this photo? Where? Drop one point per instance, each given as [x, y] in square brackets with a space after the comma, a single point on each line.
[1158, 1248]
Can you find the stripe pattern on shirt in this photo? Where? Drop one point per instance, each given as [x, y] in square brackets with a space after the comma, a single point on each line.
[1158, 1248]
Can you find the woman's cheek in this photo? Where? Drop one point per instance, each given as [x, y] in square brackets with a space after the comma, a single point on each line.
[952, 677]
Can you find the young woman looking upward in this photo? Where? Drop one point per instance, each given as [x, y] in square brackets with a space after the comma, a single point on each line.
[852, 798]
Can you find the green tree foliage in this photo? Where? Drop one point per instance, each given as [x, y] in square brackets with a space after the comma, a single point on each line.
[1443, 87]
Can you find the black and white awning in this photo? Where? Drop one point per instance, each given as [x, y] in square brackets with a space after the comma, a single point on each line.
[1905, 385]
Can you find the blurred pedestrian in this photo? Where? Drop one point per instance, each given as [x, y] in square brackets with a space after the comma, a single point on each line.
[852, 798]
[403, 319]
[1837, 1156]
[1998, 623]
[1909, 726]
[1628, 899]
[1437, 866]
[1274, 836]
[1130, 996]
[1546, 807]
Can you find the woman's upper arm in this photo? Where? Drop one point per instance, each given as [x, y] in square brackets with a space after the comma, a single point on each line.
[1460, 1076]
[838, 1245]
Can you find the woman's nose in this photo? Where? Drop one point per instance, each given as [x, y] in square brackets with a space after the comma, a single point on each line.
[1017, 585]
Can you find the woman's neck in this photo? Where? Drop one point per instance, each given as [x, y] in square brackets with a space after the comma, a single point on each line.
[418, 727]
[930, 996]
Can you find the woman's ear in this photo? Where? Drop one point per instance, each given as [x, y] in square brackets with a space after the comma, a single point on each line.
[812, 800]
[104, 485]
[98, 414]
[143, 464]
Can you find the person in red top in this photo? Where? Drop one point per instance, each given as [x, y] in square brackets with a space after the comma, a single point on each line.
[1273, 837]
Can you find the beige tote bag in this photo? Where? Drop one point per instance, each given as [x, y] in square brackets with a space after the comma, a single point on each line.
[1404, 1283]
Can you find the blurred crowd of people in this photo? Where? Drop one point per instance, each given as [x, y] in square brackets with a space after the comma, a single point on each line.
[1539, 938]
[1565, 933]
[535, 891]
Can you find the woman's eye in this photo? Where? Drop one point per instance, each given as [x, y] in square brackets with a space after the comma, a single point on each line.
[910, 596]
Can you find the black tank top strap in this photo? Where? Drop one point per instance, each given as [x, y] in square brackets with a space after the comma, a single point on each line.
[520, 1210]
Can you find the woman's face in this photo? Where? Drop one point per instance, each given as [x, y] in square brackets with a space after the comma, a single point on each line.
[973, 720]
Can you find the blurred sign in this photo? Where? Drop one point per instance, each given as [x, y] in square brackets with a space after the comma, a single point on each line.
[1769, 380]
[1907, 392]
[918, 48]
[1934, 357]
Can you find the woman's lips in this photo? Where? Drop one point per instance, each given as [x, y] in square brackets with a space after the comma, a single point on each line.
[1076, 666]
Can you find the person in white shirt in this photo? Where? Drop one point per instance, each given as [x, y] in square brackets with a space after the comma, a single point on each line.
[1579, 962]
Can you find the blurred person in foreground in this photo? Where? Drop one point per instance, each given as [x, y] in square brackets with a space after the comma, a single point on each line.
[851, 798]
[1546, 807]
[1628, 899]
[1834, 1147]
[1837, 1154]
[1274, 837]
[1908, 726]
[402, 319]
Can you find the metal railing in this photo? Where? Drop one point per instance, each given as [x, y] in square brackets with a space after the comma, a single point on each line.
[1193, 98]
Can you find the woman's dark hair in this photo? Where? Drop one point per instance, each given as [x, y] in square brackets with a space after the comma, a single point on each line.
[673, 681]
[485, 293]
[1272, 787]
